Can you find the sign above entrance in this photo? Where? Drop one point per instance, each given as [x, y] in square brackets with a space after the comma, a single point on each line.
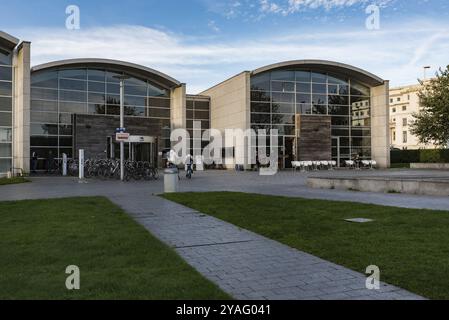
[122, 137]
[141, 139]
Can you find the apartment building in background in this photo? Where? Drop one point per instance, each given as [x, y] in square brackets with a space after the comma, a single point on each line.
[404, 103]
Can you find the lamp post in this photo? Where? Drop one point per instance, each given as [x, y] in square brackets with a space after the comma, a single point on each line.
[122, 79]
[425, 72]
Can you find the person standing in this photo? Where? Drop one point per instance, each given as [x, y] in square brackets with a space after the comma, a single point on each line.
[34, 159]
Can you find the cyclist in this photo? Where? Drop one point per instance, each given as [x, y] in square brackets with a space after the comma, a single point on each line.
[172, 159]
[189, 166]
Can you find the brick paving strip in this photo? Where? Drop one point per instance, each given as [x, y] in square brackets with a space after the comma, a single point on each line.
[247, 265]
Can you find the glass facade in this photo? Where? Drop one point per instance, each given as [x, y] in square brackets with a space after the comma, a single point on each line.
[198, 109]
[6, 104]
[278, 95]
[58, 94]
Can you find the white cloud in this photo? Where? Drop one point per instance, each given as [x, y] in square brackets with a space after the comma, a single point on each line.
[213, 26]
[396, 54]
[288, 7]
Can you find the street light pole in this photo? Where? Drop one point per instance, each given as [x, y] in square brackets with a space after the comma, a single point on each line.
[122, 125]
[122, 79]
[425, 72]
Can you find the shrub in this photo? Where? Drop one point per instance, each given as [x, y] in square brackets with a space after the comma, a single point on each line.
[430, 156]
[405, 156]
[419, 156]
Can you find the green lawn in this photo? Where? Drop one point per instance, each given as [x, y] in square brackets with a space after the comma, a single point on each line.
[5, 181]
[411, 247]
[118, 258]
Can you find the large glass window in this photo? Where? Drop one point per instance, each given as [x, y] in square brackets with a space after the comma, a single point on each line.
[198, 109]
[276, 96]
[6, 104]
[58, 94]
[5, 57]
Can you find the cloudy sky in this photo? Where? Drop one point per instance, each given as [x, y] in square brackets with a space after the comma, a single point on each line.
[202, 42]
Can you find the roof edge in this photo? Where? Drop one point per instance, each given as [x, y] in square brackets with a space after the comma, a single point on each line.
[11, 41]
[69, 62]
[204, 92]
[325, 63]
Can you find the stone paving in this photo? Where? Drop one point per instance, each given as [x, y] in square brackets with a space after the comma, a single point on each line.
[247, 265]
[244, 264]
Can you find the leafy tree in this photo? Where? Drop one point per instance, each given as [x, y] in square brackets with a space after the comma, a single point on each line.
[432, 122]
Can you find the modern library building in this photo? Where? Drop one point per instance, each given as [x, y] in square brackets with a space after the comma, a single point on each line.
[322, 110]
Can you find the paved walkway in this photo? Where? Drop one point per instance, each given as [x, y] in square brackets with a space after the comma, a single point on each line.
[244, 264]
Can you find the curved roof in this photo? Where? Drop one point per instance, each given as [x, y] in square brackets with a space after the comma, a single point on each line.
[363, 76]
[130, 68]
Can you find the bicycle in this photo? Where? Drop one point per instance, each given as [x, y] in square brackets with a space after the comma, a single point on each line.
[189, 172]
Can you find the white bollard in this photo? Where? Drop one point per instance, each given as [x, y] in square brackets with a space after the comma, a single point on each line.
[81, 164]
[64, 164]
[171, 180]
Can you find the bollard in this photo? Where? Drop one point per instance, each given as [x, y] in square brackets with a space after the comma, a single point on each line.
[81, 164]
[64, 164]
[171, 180]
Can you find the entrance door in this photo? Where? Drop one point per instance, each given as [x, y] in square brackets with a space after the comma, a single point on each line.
[146, 152]
[336, 156]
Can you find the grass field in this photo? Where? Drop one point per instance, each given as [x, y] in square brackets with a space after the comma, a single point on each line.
[5, 181]
[411, 247]
[118, 258]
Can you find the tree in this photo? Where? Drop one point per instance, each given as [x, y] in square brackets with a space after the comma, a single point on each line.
[432, 122]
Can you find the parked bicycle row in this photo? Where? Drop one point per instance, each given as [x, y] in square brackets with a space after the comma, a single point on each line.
[110, 169]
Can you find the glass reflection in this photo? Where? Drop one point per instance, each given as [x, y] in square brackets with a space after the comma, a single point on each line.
[58, 94]
[284, 93]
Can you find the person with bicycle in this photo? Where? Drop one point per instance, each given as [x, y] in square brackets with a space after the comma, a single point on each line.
[189, 166]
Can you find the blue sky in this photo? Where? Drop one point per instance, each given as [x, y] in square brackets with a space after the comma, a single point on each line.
[202, 42]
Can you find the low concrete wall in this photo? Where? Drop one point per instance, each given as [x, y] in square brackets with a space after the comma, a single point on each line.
[419, 187]
[433, 166]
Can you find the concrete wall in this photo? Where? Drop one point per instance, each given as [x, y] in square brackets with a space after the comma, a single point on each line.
[178, 107]
[380, 126]
[431, 166]
[21, 112]
[387, 185]
[230, 109]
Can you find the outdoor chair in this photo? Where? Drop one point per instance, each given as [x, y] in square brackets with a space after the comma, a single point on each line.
[350, 164]
[366, 164]
[296, 165]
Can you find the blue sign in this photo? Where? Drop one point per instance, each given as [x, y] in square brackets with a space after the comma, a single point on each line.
[120, 130]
